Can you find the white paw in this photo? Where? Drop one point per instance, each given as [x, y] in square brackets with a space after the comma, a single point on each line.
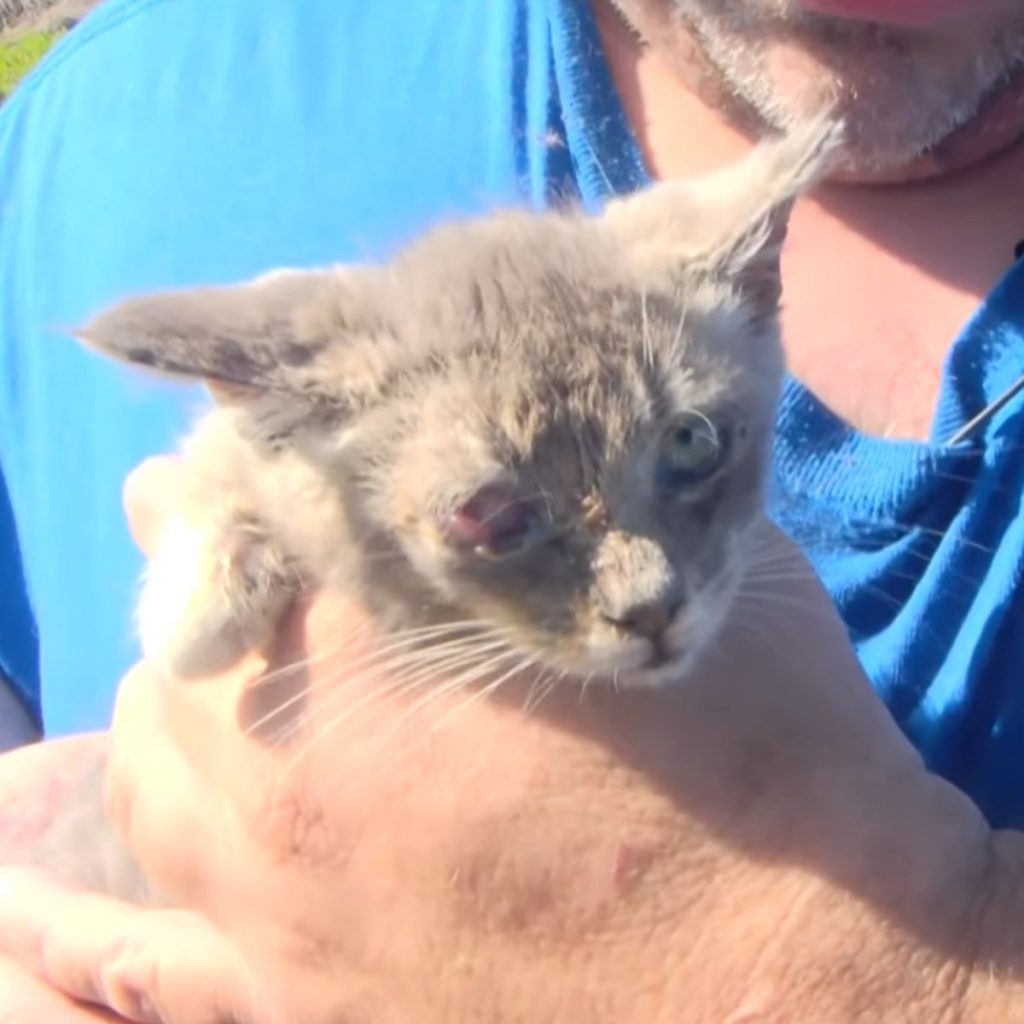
[197, 614]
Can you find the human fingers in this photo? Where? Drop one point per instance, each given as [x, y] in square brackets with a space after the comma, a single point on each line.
[175, 768]
[25, 999]
[141, 964]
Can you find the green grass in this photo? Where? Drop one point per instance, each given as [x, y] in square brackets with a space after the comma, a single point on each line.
[19, 56]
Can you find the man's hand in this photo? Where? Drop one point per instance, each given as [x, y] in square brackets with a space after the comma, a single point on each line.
[758, 843]
[34, 782]
[108, 954]
[139, 964]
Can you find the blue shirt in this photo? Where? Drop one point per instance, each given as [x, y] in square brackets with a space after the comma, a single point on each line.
[174, 142]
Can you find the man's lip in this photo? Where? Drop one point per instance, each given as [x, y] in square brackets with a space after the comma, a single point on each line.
[997, 126]
[896, 12]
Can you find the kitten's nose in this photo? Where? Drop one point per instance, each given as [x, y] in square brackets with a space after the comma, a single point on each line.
[649, 619]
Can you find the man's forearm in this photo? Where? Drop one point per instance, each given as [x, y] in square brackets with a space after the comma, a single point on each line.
[16, 726]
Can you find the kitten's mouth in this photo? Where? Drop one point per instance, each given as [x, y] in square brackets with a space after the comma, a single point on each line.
[660, 664]
[631, 659]
[660, 654]
[659, 669]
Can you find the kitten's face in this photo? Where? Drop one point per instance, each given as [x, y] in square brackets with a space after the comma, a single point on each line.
[556, 425]
[584, 475]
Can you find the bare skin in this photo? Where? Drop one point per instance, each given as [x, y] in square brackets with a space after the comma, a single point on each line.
[760, 848]
[926, 252]
[761, 845]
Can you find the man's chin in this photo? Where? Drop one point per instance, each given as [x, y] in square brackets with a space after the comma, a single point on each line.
[996, 127]
[910, 116]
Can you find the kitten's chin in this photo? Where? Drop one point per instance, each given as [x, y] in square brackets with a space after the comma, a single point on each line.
[668, 673]
[669, 669]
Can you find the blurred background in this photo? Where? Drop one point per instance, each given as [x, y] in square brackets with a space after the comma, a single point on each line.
[28, 28]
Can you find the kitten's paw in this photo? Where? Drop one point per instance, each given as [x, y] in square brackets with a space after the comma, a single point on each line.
[208, 599]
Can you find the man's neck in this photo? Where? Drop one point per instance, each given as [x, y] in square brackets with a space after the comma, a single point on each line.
[927, 252]
[669, 103]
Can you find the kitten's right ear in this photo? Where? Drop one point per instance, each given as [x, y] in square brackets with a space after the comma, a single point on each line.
[291, 333]
[732, 223]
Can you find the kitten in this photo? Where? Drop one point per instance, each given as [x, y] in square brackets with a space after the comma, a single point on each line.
[551, 425]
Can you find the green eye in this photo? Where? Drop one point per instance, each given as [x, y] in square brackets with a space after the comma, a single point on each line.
[691, 452]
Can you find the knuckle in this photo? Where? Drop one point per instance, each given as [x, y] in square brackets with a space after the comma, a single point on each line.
[131, 982]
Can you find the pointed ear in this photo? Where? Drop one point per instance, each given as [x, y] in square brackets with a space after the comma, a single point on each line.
[287, 333]
[732, 223]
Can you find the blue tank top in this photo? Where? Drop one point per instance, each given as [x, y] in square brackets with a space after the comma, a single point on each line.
[175, 142]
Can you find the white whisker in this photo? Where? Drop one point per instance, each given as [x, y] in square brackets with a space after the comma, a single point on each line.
[486, 691]
[394, 687]
[317, 658]
[648, 345]
[467, 678]
[677, 340]
[546, 682]
[583, 686]
[427, 657]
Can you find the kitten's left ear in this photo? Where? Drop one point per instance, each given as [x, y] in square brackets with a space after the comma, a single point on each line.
[292, 334]
[731, 223]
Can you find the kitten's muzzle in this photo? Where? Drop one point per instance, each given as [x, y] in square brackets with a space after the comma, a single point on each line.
[649, 619]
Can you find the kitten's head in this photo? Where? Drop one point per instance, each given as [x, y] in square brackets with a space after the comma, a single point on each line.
[555, 423]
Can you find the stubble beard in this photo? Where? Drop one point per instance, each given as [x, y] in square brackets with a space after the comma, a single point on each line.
[763, 62]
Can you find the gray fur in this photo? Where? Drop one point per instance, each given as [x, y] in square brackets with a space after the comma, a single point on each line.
[551, 354]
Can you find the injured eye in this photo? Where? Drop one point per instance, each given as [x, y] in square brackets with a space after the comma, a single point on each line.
[496, 522]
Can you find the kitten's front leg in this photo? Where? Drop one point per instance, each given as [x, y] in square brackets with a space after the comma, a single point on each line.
[212, 592]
